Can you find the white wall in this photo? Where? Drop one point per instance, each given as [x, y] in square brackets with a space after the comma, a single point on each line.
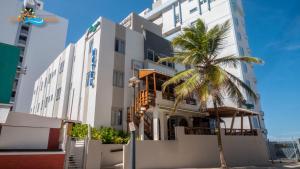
[24, 138]
[43, 45]
[197, 151]
[100, 155]
[9, 9]
[45, 91]
[25, 131]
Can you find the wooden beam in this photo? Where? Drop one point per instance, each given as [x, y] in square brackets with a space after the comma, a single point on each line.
[232, 122]
[154, 81]
[147, 83]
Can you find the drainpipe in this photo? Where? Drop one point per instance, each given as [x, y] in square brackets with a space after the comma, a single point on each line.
[174, 14]
[208, 4]
[199, 6]
[180, 13]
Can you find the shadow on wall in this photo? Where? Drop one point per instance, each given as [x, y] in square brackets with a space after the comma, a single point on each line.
[192, 151]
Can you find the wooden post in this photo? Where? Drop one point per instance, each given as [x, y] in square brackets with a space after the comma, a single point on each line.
[232, 122]
[154, 81]
[147, 84]
[242, 123]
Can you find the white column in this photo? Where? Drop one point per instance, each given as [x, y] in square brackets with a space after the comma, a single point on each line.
[141, 128]
[155, 125]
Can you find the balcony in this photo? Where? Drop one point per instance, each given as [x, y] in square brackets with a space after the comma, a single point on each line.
[22, 42]
[199, 131]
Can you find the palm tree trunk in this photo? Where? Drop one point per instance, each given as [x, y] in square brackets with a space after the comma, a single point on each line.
[220, 144]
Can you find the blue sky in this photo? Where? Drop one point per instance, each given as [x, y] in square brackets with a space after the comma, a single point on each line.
[273, 28]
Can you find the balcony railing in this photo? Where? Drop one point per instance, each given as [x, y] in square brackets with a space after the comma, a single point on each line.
[199, 131]
[241, 132]
[171, 97]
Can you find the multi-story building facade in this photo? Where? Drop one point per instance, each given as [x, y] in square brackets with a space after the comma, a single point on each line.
[93, 80]
[173, 15]
[88, 83]
[38, 46]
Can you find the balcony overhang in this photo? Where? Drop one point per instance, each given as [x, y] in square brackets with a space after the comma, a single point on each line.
[226, 111]
[146, 72]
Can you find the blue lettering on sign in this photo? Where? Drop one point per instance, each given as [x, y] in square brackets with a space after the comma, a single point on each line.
[91, 74]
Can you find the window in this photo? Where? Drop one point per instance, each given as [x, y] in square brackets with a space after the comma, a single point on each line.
[193, 10]
[239, 36]
[61, 67]
[58, 91]
[120, 46]
[91, 45]
[245, 68]
[242, 52]
[118, 79]
[150, 54]
[248, 83]
[117, 117]
[236, 21]
[90, 77]
[176, 18]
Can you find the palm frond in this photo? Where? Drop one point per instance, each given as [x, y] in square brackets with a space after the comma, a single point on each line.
[239, 82]
[179, 77]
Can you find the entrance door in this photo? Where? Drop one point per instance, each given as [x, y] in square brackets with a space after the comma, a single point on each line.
[173, 122]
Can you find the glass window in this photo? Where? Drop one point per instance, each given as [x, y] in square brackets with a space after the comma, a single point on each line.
[118, 79]
[193, 10]
[91, 43]
[242, 52]
[239, 36]
[248, 83]
[150, 54]
[236, 21]
[61, 67]
[176, 18]
[58, 91]
[245, 68]
[120, 46]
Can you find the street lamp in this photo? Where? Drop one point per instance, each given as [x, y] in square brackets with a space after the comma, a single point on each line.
[133, 82]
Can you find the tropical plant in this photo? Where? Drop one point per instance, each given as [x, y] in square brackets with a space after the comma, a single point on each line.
[79, 131]
[107, 135]
[207, 79]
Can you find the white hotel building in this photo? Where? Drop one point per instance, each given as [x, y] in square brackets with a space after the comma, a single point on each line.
[88, 81]
[39, 45]
[173, 15]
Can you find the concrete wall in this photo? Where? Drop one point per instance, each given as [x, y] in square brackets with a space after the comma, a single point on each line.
[191, 151]
[25, 131]
[99, 155]
[42, 47]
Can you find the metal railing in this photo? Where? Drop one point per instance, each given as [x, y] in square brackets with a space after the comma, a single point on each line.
[241, 132]
[199, 131]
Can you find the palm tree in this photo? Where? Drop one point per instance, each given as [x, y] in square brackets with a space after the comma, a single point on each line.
[207, 79]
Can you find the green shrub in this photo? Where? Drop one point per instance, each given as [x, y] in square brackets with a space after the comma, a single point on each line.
[79, 131]
[107, 135]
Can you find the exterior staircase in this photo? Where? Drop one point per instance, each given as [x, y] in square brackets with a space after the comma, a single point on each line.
[75, 158]
[144, 99]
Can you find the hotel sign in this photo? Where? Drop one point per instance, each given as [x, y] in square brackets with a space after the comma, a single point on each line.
[93, 28]
[91, 74]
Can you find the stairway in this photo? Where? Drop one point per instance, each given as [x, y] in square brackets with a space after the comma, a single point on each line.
[144, 99]
[75, 159]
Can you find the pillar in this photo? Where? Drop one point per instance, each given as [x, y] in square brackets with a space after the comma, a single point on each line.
[155, 124]
[141, 128]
